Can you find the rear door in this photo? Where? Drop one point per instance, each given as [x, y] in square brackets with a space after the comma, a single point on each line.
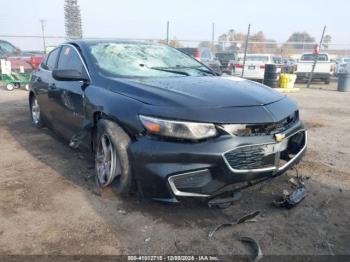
[41, 82]
[69, 95]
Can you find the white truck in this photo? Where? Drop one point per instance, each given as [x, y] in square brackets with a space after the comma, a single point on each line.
[323, 71]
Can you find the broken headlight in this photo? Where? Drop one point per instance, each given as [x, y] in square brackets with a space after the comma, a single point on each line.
[237, 129]
[178, 129]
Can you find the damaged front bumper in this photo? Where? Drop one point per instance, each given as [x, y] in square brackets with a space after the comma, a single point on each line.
[168, 171]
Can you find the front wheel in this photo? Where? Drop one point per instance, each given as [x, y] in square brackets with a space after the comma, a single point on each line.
[111, 157]
[35, 112]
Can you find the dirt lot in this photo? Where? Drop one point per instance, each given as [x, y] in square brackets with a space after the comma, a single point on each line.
[48, 204]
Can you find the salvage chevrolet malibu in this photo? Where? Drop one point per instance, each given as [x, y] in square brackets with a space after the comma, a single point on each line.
[162, 122]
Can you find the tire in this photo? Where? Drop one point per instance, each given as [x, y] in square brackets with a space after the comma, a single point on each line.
[327, 81]
[10, 87]
[35, 112]
[112, 162]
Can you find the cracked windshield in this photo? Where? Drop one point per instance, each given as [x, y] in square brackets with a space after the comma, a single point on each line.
[143, 60]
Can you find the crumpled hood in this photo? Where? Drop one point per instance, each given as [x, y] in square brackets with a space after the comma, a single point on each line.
[199, 92]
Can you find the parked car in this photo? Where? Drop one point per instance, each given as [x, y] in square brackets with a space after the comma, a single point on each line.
[158, 119]
[288, 65]
[323, 71]
[27, 60]
[205, 56]
[227, 61]
[255, 65]
[341, 64]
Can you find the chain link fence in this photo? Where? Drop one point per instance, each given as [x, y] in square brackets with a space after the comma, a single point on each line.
[285, 49]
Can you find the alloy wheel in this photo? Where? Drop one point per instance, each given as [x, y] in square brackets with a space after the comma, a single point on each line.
[107, 161]
[35, 111]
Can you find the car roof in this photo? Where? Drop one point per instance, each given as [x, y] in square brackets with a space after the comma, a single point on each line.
[116, 41]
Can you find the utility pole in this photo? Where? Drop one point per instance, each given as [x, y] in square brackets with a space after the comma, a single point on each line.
[315, 59]
[167, 32]
[43, 23]
[212, 36]
[245, 50]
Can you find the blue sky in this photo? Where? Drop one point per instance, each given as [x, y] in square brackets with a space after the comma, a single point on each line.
[188, 19]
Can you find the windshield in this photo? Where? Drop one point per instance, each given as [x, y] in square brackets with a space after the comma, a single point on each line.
[311, 57]
[346, 60]
[144, 60]
[7, 48]
[256, 58]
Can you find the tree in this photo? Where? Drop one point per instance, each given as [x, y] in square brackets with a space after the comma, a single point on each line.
[173, 43]
[326, 41]
[298, 40]
[72, 17]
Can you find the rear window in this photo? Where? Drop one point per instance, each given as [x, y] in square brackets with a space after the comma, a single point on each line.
[256, 58]
[347, 60]
[311, 57]
[226, 56]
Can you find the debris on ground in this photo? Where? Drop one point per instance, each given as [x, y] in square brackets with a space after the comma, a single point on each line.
[246, 218]
[224, 202]
[257, 250]
[290, 200]
[147, 239]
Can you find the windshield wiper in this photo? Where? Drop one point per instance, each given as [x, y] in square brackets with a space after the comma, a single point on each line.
[198, 68]
[167, 69]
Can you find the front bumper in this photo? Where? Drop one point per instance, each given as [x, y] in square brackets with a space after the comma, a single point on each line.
[167, 170]
[305, 76]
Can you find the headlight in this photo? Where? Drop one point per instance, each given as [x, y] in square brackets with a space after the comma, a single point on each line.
[178, 129]
[237, 129]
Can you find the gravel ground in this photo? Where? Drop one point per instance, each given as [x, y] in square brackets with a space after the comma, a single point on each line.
[48, 203]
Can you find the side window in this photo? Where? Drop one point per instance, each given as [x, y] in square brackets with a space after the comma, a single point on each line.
[69, 59]
[51, 59]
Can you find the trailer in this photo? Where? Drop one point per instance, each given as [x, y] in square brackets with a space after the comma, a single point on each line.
[13, 79]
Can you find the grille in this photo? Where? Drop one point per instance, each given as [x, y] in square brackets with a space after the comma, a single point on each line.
[250, 157]
[195, 180]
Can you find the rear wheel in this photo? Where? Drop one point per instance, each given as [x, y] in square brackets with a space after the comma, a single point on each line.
[327, 81]
[111, 157]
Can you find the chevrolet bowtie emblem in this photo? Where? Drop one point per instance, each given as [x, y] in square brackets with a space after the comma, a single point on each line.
[280, 137]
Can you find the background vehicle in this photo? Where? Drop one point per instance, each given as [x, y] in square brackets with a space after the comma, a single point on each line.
[204, 55]
[341, 64]
[255, 65]
[227, 61]
[152, 115]
[323, 71]
[28, 60]
[288, 65]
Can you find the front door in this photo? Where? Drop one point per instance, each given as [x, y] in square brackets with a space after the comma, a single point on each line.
[68, 96]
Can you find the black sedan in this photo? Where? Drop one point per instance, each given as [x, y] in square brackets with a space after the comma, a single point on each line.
[159, 121]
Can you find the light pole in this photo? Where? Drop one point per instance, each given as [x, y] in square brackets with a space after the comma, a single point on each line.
[43, 23]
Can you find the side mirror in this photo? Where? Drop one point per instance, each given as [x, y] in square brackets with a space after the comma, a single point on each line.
[69, 75]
